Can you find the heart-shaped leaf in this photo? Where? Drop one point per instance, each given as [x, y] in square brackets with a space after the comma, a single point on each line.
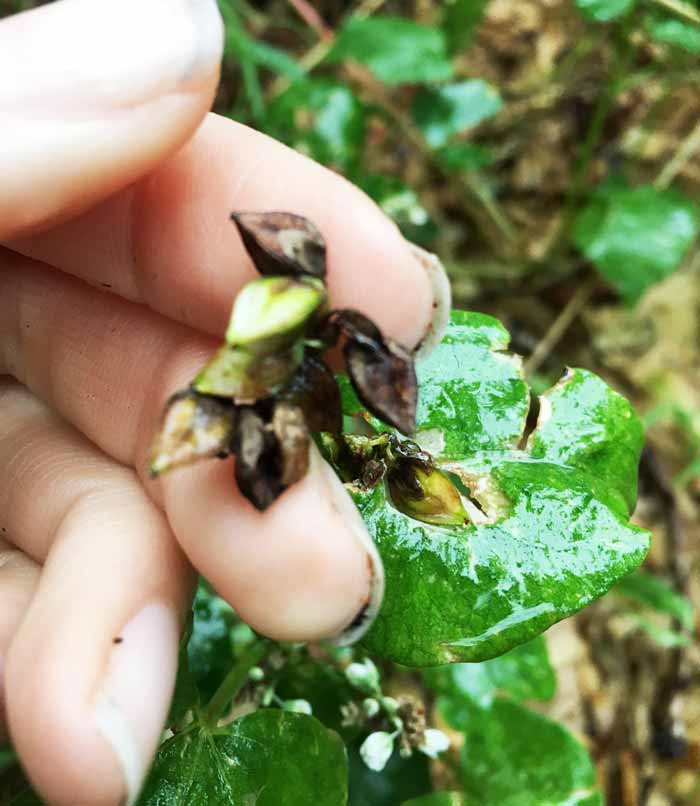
[267, 758]
[549, 531]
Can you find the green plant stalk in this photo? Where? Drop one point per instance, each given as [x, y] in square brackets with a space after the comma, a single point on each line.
[234, 681]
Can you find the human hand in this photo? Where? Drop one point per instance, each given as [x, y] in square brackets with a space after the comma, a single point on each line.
[117, 276]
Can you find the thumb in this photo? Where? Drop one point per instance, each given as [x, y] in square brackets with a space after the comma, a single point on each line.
[95, 93]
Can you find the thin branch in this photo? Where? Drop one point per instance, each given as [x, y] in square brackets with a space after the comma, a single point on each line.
[312, 18]
[675, 165]
[560, 325]
[681, 9]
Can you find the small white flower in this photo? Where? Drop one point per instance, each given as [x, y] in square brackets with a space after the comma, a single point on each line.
[390, 705]
[376, 750]
[436, 742]
[297, 706]
[363, 676]
[370, 707]
[256, 674]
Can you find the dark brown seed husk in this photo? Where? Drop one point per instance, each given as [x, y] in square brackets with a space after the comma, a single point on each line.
[384, 378]
[314, 389]
[193, 427]
[257, 467]
[292, 434]
[282, 243]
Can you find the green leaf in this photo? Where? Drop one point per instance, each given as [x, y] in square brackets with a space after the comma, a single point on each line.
[321, 118]
[672, 31]
[514, 757]
[584, 424]
[402, 778]
[438, 799]
[464, 157]
[396, 50]
[524, 673]
[401, 204]
[267, 758]
[635, 237]
[549, 532]
[604, 10]
[459, 21]
[657, 594]
[441, 112]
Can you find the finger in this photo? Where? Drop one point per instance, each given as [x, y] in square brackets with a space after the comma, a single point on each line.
[90, 673]
[93, 94]
[168, 241]
[302, 570]
[19, 577]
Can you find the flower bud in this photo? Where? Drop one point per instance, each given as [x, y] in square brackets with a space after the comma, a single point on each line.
[363, 676]
[297, 706]
[270, 313]
[376, 750]
[435, 742]
[370, 707]
[425, 493]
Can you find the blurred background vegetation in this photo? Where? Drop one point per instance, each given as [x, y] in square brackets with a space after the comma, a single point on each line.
[549, 152]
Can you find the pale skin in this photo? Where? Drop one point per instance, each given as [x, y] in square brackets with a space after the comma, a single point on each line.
[118, 267]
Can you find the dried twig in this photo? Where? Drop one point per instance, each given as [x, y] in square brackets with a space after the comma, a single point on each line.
[683, 10]
[678, 161]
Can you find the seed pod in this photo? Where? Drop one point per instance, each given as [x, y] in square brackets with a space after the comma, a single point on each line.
[381, 371]
[314, 389]
[234, 372]
[282, 244]
[193, 427]
[272, 451]
[271, 313]
[425, 493]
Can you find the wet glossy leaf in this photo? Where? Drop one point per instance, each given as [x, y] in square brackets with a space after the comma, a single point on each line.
[460, 19]
[635, 237]
[514, 757]
[267, 758]
[321, 118]
[584, 424]
[550, 534]
[193, 427]
[438, 799]
[282, 243]
[441, 112]
[672, 31]
[604, 10]
[524, 673]
[396, 50]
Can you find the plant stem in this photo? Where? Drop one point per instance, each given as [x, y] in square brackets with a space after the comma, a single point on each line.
[235, 680]
[675, 165]
[681, 9]
[560, 325]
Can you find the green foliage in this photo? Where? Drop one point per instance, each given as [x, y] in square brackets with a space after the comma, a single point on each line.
[654, 592]
[321, 118]
[459, 21]
[7, 758]
[396, 50]
[670, 30]
[635, 237]
[401, 204]
[442, 112]
[514, 757]
[524, 673]
[402, 778]
[270, 758]
[554, 532]
[604, 10]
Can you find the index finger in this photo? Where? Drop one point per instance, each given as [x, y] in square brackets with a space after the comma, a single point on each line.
[167, 241]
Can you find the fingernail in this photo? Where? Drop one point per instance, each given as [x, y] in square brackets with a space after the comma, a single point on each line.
[442, 300]
[133, 700]
[362, 617]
